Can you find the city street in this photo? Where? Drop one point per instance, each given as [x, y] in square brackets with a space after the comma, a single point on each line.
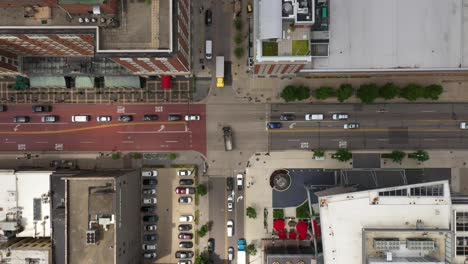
[382, 126]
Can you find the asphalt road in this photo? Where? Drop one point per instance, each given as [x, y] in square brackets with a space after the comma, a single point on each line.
[382, 126]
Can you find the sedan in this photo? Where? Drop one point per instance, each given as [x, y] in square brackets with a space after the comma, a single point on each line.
[184, 261]
[351, 126]
[230, 203]
[148, 209]
[150, 218]
[211, 245]
[151, 227]
[21, 119]
[186, 182]
[150, 182]
[184, 227]
[41, 108]
[208, 17]
[150, 117]
[185, 244]
[151, 255]
[151, 173]
[185, 200]
[186, 218]
[464, 125]
[184, 254]
[125, 118]
[181, 190]
[230, 253]
[149, 191]
[149, 246]
[185, 236]
[49, 119]
[229, 184]
[192, 117]
[150, 200]
[184, 172]
[150, 237]
[287, 117]
[274, 125]
[340, 116]
[103, 118]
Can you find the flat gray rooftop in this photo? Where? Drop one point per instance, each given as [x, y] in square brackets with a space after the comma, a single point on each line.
[386, 34]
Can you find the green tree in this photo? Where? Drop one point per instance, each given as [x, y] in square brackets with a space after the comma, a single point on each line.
[238, 38]
[420, 155]
[201, 259]
[172, 156]
[239, 52]
[397, 156]
[278, 213]
[136, 155]
[389, 91]
[368, 93]
[342, 155]
[319, 153]
[251, 250]
[292, 93]
[412, 92]
[433, 91]
[251, 212]
[345, 91]
[202, 231]
[324, 92]
[202, 190]
[116, 155]
[238, 24]
[303, 92]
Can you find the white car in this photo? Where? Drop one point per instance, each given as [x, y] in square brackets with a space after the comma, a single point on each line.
[340, 116]
[149, 246]
[230, 228]
[240, 178]
[151, 227]
[186, 218]
[184, 172]
[230, 253]
[150, 200]
[351, 126]
[103, 119]
[463, 125]
[230, 203]
[313, 117]
[192, 117]
[151, 173]
[149, 255]
[184, 262]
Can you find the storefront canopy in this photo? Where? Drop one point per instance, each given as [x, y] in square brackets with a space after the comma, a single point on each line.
[84, 82]
[47, 82]
[129, 81]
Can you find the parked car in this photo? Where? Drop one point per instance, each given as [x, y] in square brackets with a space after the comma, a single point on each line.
[184, 173]
[183, 190]
[148, 209]
[340, 116]
[185, 200]
[211, 245]
[240, 182]
[186, 182]
[274, 125]
[287, 117]
[185, 261]
[185, 244]
[464, 125]
[151, 173]
[150, 237]
[125, 118]
[21, 119]
[208, 17]
[150, 117]
[41, 108]
[230, 203]
[313, 117]
[184, 254]
[351, 126]
[230, 253]
[151, 255]
[186, 218]
[3, 108]
[192, 117]
[150, 218]
[49, 119]
[103, 118]
[174, 117]
[150, 200]
[149, 246]
[150, 182]
[230, 228]
[229, 184]
[185, 236]
[149, 191]
[184, 227]
[151, 227]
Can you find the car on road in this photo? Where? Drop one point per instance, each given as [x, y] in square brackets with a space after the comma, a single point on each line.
[41, 108]
[174, 118]
[351, 126]
[151, 173]
[3, 108]
[287, 117]
[149, 246]
[192, 117]
[183, 190]
[229, 184]
[150, 182]
[184, 261]
[151, 255]
[464, 125]
[230, 253]
[185, 236]
[184, 173]
[185, 200]
[21, 119]
[184, 227]
[149, 191]
[274, 125]
[125, 118]
[186, 182]
[150, 200]
[148, 209]
[230, 228]
[185, 244]
[184, 254]
[49, 119]
[208, 17]
[150, 218]
[81, 118]
[241, 244]
[150, 237]
[211, 245]
[240, 181]
[313, 117]
[340, 116]
[185, 218]
[103, 118]
[230, 203]
[150, 117]
[151, 227]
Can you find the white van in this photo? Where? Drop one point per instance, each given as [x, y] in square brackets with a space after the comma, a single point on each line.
[209, 49]
[80, 118]
[311, 117]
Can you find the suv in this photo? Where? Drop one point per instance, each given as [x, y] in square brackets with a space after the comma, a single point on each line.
[340, 116]
[186, 218]
[150, 218]
[211, 245]
[49, 119]
[41, 108]
[313, 117]
[151, 173]
[125, 118]
[21, 119]
[240, 178]
[184, 254]
[150, 117]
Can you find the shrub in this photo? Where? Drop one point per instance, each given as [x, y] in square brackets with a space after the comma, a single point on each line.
[238, 24]
[412, 92]
[239, 52]
[202, 231]
[172, 156]
[137, 155]
[433, 91]
[389, 91]
[278, 213]
[116, 155]
[420, 155]
[251, 212]
[251, 250]
[200, 259]
[368, 93]
[324, 92]
[344, 92]
[303, 211]
[238, 38]
[342, 155]
[396, 156]
[202, 190]
[318, 153]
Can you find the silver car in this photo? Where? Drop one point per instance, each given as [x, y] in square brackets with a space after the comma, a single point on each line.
[103, 119]
[351, 126]
[150, 200]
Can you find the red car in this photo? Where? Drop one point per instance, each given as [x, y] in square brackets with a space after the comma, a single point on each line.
[182, 190]
[185, 236]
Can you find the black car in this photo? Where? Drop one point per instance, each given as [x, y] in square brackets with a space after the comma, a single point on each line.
[230, 184]
[125, 118]
[174, 117]
[148, 209]
[287, 117]
[184, 254]
[186, 182]
[211, 245]
[150, 182]
[41, 108]
[150, 237]
[150, 218]
[150, 117]
[208, 17]
[3, 108]
[185, 244]
[185, 227]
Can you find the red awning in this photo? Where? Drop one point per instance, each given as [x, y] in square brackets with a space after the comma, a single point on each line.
[166, 82]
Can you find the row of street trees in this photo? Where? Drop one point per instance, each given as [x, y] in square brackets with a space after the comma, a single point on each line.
[397, 156]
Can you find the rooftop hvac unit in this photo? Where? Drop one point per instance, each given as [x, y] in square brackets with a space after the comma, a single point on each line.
[420, 244]
[386, 243]
[91, 237]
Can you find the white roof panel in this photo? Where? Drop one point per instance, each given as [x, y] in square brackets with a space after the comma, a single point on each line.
[270, 26]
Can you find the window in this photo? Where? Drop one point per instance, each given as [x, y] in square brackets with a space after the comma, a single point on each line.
[461, 221]
[399, 192]
[462, 246]
[432, 190]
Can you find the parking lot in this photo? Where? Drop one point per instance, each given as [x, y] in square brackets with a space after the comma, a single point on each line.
[169, 211]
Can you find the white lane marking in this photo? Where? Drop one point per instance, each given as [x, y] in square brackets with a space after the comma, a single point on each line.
[382, 139]
[428, 111]
[292, 125]
[42, 142]
[430, 139]
[171, 141]
[289, 112]
[127, 141]
[151, 132]
[86, 142]
[335, 139]
[10, 142]
[293, 139]
[16, 128]
[162, 128]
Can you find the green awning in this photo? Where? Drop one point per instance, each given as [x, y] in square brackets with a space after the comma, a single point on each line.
[128, 81]
[84, 82]
[47, 82]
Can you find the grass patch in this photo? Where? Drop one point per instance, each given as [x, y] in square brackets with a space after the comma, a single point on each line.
[196, 216]
[278, 213]
[302, 211]
[269, 48]
[300, 47]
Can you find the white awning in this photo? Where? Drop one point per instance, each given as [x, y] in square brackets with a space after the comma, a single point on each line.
[129, 81]
[47, 82]
[84, 82]
[270, 26]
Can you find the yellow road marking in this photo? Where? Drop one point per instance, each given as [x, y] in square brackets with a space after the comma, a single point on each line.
[87, 128]
[361, 130]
